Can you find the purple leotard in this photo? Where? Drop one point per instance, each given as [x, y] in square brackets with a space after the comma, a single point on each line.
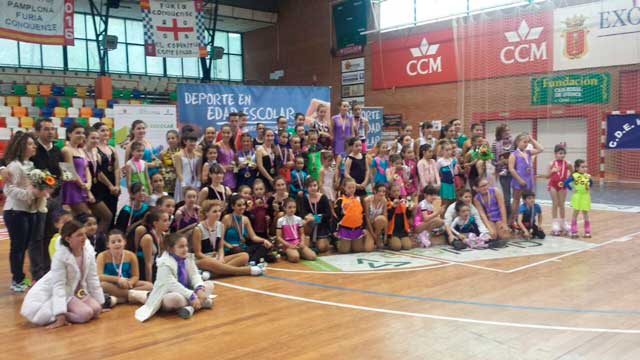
[225, 157]
[340, 133]
[491, 207]
[72, 193]
[524, 168]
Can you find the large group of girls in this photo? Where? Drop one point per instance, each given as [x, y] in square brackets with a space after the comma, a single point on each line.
[228, 203]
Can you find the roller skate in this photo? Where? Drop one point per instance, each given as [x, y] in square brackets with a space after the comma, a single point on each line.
[574, 230]
[555, 227]
[587, 229]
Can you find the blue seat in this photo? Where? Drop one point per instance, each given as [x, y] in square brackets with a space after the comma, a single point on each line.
[46, 111]
[66, 122]
[111, 102]
[52, 101]
[99, 113]
[136, 94]
[57, 90]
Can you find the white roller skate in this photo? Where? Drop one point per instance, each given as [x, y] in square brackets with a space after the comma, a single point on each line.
[555, 227]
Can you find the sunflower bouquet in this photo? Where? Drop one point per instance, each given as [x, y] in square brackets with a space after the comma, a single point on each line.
[42, 179]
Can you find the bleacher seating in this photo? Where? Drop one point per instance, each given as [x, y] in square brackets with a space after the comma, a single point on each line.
[45, 90]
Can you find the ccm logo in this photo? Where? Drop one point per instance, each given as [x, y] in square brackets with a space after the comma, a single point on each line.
[525, 52]
[424, 65]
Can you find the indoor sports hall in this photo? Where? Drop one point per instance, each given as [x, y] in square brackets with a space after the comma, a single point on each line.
[320, 179]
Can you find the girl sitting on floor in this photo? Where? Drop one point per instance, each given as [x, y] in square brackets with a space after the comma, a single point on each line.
[119, 274]
[178, 286]
[70, 292]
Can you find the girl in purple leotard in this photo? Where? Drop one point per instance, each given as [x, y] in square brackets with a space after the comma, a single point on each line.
[490, 204]
[521, 168]
[75, 193]
[341, 128]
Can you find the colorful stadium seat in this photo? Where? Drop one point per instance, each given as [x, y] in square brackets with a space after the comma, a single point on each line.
[86, 112]
[97, 112]
[52, 101]
[173, 96]
[19, 111]
[44, 90]
[5, 89]
[59, 111]
[60, 142]
[136, 102]
[116, 93]
[57, 122]
[69, 91]
[88, 102]
[101, 103]
[5, 111]
[32, 90]
[111, 102]
[136, 94]
[38, 101]
[93, 120]
[126, 93]
[57, 90]
[77, 103]
[26, 101]
[46, 111]
[81, 91]
[67, 121]
[19, 89]
[73, 112]
[82, 121]
[108, 122]
[33, 111]
[13, 101]
[65, 102]
[12, 121]
[27, 122]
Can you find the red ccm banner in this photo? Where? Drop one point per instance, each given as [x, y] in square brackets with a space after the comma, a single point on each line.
[514, 45]
[420, 59]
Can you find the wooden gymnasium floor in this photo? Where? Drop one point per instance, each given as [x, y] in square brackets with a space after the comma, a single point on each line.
[568, 305]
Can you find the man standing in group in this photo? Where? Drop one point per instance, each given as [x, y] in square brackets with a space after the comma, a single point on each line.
[47, 157]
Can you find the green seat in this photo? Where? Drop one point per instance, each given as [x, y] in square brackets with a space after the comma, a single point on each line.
[116, 94]
[69, 91]
[19, 89]
[38, 101]
[65, 102]
[147, 101]
[173, 96]
[126, 94]
[59, 143]
[82, 121]
[112, 142]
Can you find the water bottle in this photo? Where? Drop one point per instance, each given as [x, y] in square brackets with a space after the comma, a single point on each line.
[252, 263]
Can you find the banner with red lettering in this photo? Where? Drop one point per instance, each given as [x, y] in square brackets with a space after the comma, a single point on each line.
[427, 58]
[514, 45]
[173, 29]
[36, 21]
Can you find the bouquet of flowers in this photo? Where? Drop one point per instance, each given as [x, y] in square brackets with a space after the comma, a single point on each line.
[42, 179]
[482, 153]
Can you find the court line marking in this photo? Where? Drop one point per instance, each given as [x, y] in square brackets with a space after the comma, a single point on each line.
[624, 238]
[429, 316]
[425, 257]
[555, 258]
[456, 302]
[358, 272]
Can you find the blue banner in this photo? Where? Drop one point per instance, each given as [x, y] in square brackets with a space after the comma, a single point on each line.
[623, 131]
[203, 105]
[374, 115]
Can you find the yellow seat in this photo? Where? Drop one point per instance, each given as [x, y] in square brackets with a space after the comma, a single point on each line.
[60, 112]
[101, 103]
[26, 122]
[108, 122]
[13, 101]
[32, 90]
[81, 91]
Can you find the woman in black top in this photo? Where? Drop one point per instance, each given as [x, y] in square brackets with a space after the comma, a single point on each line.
[266, 160]
[355, 166]
[108, 170]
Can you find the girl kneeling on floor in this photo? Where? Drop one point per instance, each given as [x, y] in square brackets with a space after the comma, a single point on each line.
[70, 292]
[398, 224]
[290, 234]
[351, 221]
[119, 272]
[178, 286]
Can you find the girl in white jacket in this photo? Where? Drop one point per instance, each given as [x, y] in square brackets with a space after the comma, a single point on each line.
[178, 286]
[70, 292]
